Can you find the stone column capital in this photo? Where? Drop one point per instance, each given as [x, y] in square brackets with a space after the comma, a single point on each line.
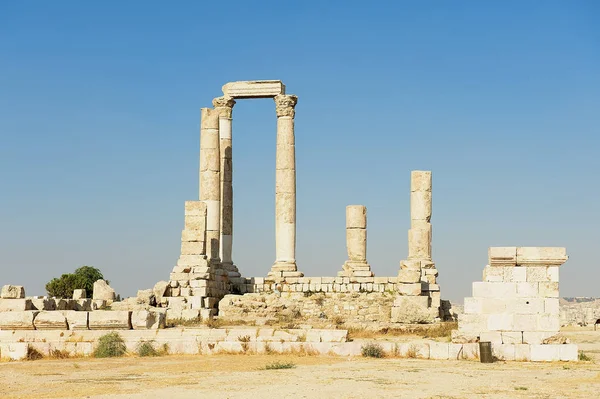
[285, 104]
[224, 105]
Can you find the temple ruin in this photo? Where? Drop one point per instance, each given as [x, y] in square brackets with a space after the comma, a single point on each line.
[516, 307]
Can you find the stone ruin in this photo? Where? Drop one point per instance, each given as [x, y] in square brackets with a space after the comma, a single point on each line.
[515, 307]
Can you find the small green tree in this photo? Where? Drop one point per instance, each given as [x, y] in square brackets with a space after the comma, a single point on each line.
[83, 278]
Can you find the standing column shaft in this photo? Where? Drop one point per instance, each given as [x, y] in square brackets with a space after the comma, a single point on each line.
[210, 179]
[419, 235]
[356, 243]
[224, 106]
[285, 188]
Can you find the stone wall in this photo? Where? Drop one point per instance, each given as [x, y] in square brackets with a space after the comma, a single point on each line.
[517, 302]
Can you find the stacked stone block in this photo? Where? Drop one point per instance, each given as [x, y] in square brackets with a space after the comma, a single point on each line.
[356, 243]
[517, 302]
[196, 283]
[417, 279]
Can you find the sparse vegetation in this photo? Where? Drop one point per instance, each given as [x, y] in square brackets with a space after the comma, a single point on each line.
[184, 322]
[338, 321]
[412, 351]
[441, 330]
[521, 388]
[33, 354]
[268, 349]
[147, 349]
[245, 340]
[372, 350]
[320, 301]
[59, 354]
[110, 345]
[583, 357]
[280, 365]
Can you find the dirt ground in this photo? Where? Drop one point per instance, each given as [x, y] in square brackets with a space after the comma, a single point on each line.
[243, 376]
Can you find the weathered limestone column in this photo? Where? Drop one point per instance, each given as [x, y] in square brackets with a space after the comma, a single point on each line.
[224, 107]
[356, 242]
[419, 235]
[210, 180]
[285, 190]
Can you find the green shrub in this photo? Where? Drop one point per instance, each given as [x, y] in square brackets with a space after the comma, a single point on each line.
[110, 345]
[59, 354]
[372, 350]
[280, 365]
[83, 278]
[146, 348]
[583, 357]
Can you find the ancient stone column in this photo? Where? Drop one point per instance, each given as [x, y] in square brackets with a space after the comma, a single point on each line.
[285, 190]
[419, 235]
[210, 179]
[356, 242]
[224, 106]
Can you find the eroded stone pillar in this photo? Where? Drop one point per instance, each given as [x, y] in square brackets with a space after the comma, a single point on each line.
[224, 107]
[356, 242]
[419, 235]
[210, 179]
[285, 190]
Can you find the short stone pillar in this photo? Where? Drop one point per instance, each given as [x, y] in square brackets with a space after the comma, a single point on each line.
[356, 243]
[224, 106]
[210, 180]
[285, 190]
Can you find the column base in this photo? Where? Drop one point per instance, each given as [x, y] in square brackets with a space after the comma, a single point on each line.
[231, 269]
[281, 270]
[356, 269]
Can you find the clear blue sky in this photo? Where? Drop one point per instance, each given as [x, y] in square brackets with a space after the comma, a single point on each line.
[99, 129]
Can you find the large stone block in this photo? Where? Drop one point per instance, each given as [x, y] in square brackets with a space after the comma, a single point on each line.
[512, 337]
[525, 305]
[76, 320]
[515, 274]
[522, 352]
[551, 306]
[79, 294]
[356, 242]
[102, 291]
[525, 322]
[501, 322]
[536, 337]
[147, 320]
[14, 351]
[192, 235]
[409, 276]
[494, 290]
[549, 289]
[502, 256]
[472, 323]
[409, 289]
[420, 180]
[420, 205]
[50, 320]
[12, 292]
[110, 320]
[18, 320]
[495, 337]
[568, 353]
[472, 305]
[528, 290]
[419, 244]
[548, 322]
[254, 89]
[545, 353]
[15, 305]
[356, 217]
[439, 350]
[413, 309]
[493, 274]
[195, 223]
[43, 303]
[541, 256]
[192, 248]
[537, 273]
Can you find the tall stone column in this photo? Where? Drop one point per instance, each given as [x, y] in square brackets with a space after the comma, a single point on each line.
[224, 107]
[210, 180]
[285, 190]
[356, 243]
[419, 235]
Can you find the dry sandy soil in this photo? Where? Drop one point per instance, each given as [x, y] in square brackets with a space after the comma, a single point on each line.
[243, 376]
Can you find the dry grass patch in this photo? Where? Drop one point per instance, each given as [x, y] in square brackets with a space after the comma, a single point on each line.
[440, 330]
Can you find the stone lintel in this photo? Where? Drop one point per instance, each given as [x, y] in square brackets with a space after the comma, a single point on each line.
[254, 89]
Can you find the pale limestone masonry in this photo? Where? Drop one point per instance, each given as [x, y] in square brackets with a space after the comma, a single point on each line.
[12, 292]
[518, 300]
[356, 243]
[417, 280]
[254, 89]
[14, 345]
[285, 191]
